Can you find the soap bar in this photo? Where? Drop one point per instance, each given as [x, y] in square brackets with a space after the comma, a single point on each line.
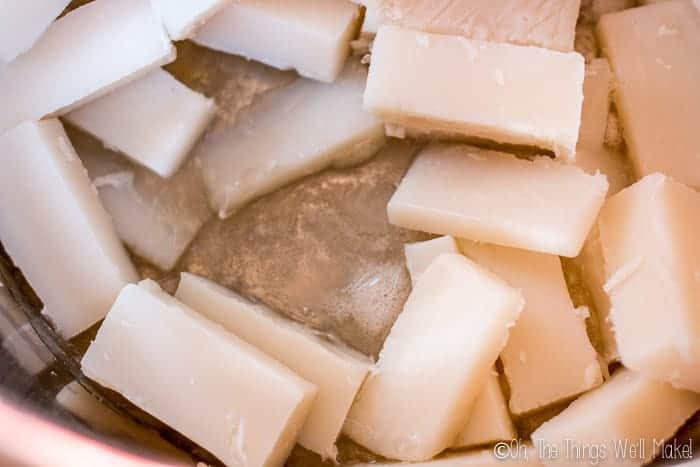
[155, 120]
[182, 18]
[550, 24]
[596, 104]
[452, 327]
[660, 43]
[86, 407]
[289, 133]
[156, 218]
[623, 422]
[548, 321]
[467, 192]
[83, 55]
[241, 405]
[419, 255]
[522, 455]
[309, 36]
[489, 420]
[336, 371]
[649, 234]
[46, 194]
[23, 23]
[487, 90]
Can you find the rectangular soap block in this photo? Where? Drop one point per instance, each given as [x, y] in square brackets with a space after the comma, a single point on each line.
[241, 405]
[182, 18]
[522, 455]
[309, 36]
[336, 371]
[623, 422]
[649, 235]
[500, 92]
[55, 229]
[548, 321]
[154, 120]
[452, 327]
[550, 24]
[83, 55]
[596, 104]
[419, 255]
[653, 51]
[494, 197]
[156, 218]
[23, 23]
[287, 134]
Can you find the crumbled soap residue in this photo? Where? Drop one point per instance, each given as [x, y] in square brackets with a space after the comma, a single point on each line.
[582, 312]
[621, 275]
[394, 131]
[115, 180]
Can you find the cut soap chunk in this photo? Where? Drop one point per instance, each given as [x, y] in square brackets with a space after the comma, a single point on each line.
[419, 255]
[22, 24]
[155, 120]
[289, 133]
[463, 191]
[452, 327]
[157, 218]
[83, 55]
[649, 235]
[500, 92]
[310, 36]
[660, 112]
[548, 322]
[183, 17]
[628, 410]
[46, 194]
[596, 104]
[550, 24]
[336, 371]
[241, 405]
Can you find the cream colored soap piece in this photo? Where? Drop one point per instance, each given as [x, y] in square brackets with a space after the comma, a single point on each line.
[419, 255]
[336, 371]
[182, 18]
[155, 120]
[289, 133]
[55, 229]
[649, 235]
[309, 36]
[449, 84]
[654, 53]
[548, 321]
[83, 55]
[550, 24]
[157, 218]
[22, 24]
[522, 455]
[602, 427]
[540, 205]
[241, 405]
[596, 104]
[452, 327]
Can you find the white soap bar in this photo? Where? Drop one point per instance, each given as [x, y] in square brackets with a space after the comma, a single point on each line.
[628, 412]
[222, 393]
[419, 255]
[489, 419]
[83, 405]
[310, 36]
[548, 321]
[596, 104]
[550, 24]
[654, 52]
[449, 84]
[452, 327]
[521, 455]
[157, 218]
[649, 236]
[289, 133]
[45, 194]
[336, 371]
[22, 24]
[467, 192]
[155, 120]
[182, 18]
[83, 55]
